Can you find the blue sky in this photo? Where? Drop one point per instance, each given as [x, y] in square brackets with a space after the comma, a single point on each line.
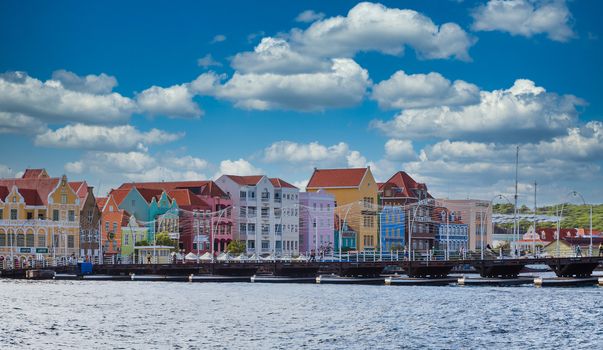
[112, 91]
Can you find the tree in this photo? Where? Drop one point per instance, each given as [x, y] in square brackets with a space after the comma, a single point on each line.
[163, 238]
[236, 247]
[144, 243]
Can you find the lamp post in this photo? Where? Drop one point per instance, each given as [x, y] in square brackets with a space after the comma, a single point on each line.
[590, 246]
[499, 196]
[412, 221]
[559, 218]
[341, 225]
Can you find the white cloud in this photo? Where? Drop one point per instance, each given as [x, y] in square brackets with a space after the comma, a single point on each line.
[187, 162]
[309, 16]
[93, 84]
[356, 160]
[51, 102]
[20, 124]
[522, 112]
[76, 167]
[526, 18]
[423, 90]
[287, 151]
[396, 149]
[174, 101]
[343, 86]
[237, 167]
[208, 61]
[6, 172]
[218, 38]
[274, 55]
[123, 137]
[374, 27]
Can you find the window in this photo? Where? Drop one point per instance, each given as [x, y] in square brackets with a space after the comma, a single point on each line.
[243, 212]
[20, 240]
[63, 199]
[115, 227]
[252, 194]
[41, 240]
[2, 240]
[70, 241]
[106, 226]
[133, 203]
[243, 195]
[265, 213]
[55, 215]
[1, 214]
[29, 240]
[13, 214]
[126, 239]
[71, 215]
[252, 212]
[265, 244]
[243, 228]
[250, 244]
[265, 229]
[29, 215]
[251, 228]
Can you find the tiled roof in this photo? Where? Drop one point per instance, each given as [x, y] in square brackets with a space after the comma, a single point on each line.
[125, 218]
[100, 202]
[43, 185]
[205, 187]
[250, 180]
[325, 178]
[31, 196]
[185, 197]
[35, 174]
[149, 193]
[278, 183]
[4, 191]
[119, 195]
[405, 182]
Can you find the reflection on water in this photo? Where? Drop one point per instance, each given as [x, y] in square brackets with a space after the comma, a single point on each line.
[160, 315]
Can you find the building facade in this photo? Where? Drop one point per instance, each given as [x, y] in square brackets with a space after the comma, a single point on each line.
[90, 221]
[345, 236]
[316, 222]
[112, 220]
[477, 214]
[452, 233]
[131, 234]
[355, 192]
[260, 214]
[391, 228]
[39, 219]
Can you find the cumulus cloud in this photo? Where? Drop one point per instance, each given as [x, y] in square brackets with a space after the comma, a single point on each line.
[93, 84]
[6, 172]
[309, 16]
[208, 61]
[18, 123]
[174, 101]
[122, 137]
[343, 86]
[402, 90]
[526, 18]
[396, 149]
[374, 27]
[287, 151]
[237, 167]
[274, 55]
[53, 102]
[76, 167]
[524, 111]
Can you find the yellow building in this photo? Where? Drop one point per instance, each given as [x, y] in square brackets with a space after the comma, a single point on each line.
[39, 219]
[355, 192]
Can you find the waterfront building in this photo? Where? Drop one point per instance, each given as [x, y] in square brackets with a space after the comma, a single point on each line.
[451, 232]
[39, 219]
[163, 212]
[477, 214]
[348, 236]
[266, 218]
[131, 234]
[90, 221]
[391, 228]
[154, 254]
[205, 213]
[113, 219]
[402, 191]
[355, 192]
[316, 221]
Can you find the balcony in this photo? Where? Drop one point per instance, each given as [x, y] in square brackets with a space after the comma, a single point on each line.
[265, 198]
[39, 223]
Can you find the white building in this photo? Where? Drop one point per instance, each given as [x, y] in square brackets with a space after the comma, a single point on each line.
[265, 213]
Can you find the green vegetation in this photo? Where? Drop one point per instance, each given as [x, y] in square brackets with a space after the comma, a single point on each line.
[574, 216]
[235, 247]
[144, 242]
[164, 239]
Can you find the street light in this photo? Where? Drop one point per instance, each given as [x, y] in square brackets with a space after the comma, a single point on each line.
[500, 196]
[590, 247]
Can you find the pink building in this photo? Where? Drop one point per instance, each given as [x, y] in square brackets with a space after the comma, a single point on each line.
[317, 211]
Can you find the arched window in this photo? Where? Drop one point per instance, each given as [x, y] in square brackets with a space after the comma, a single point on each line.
[20, 240]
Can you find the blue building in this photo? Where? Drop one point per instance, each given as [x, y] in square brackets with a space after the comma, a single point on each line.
[348, 237]
[391, 232]
[457, 235]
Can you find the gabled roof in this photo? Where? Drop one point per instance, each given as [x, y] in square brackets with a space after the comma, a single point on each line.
[149, 193]
[184, 197]
[279, 183]
[250, 180]
[406, 183]
[100, 202]
[327, 178]
[119, 195]
[204, 187]
[44, 186]
[30, 196]
[35, 174]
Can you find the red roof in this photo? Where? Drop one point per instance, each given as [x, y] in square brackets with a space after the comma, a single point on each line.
[100, 202]
[43, 185]
[325, 178]
[35, 174]
[149, 193]
[250, 180]
[205, 187]
[279, 183]
[31, 197]
[119, 195]
[405, 183]
[185, 198]
[3, 192]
